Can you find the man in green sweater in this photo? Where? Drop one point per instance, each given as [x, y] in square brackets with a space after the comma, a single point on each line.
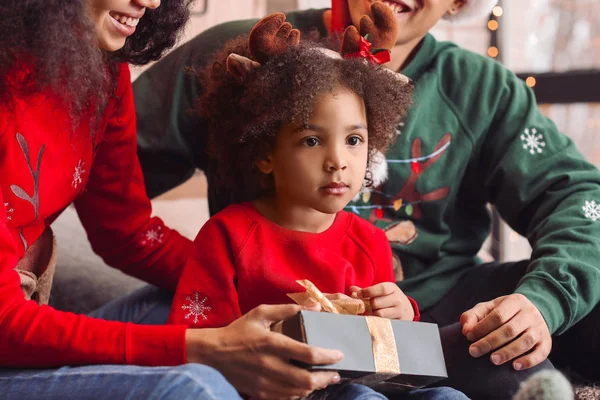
[474, 136]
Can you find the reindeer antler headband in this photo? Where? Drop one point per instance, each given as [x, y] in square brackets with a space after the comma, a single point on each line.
[272, 35]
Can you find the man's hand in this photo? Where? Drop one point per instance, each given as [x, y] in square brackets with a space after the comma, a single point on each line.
[387, 301]
[510, 325]
[256, 361]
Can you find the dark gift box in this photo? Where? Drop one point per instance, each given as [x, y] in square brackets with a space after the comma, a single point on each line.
[378, 352]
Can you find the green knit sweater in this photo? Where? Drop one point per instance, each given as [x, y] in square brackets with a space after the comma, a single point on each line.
[474, 136]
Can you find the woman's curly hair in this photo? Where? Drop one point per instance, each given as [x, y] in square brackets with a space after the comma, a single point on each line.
[55, 40]
[243, 117]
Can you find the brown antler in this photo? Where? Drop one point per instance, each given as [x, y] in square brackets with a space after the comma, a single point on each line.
[239, 66]
[382, 29]
[271, 36]
[351, 42]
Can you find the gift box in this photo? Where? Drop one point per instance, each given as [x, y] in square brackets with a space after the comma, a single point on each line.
[403, 354]
[386, 354]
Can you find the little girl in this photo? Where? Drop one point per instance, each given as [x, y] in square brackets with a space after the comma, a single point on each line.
[301, 123]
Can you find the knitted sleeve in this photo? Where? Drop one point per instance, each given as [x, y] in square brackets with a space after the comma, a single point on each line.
[546, 190]
[115, 210]
[206, 295]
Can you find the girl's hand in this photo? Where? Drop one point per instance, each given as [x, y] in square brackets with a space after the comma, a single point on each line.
[256, 361]
[387, 301]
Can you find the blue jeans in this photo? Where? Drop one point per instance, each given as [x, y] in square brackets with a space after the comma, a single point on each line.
[112, 382]
[439, 393]
[148, 305]
[360, 392]
[191, 381]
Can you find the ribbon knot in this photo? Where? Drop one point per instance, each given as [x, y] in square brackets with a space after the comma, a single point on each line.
[376, 56]
[350, 306]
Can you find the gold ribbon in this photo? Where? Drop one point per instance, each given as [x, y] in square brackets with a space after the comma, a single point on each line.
[349, 306]
[385, 353]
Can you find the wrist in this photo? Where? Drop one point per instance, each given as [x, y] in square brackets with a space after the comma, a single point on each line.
[200, 345]
[415, 307]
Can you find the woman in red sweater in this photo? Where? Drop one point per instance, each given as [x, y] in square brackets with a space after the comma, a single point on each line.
[68, 135]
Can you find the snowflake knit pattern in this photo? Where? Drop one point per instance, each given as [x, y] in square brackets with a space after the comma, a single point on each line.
[592, 210]
[196, 307]
[533, 141]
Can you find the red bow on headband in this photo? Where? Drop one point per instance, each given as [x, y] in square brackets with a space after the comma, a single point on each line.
[378, 56]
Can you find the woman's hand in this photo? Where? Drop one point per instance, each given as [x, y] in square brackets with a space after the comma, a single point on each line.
[256, 361]
[387, 301]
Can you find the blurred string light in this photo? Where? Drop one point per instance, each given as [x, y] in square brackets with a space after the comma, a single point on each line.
[493, 51]
[493, 25]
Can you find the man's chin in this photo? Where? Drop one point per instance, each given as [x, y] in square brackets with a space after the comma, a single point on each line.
[405, 40]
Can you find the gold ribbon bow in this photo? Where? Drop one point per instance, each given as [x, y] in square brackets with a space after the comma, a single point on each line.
[349, 306]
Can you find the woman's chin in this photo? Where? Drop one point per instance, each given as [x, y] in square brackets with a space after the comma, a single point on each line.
[111, 44]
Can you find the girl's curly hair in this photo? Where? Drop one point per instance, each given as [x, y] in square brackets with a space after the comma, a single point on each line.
[55, 40]
[244, 117]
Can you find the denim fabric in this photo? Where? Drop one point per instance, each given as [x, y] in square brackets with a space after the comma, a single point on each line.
[116, 382]
[352, 391]
[148, 305]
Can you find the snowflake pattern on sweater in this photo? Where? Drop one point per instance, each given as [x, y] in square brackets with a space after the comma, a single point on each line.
[153, 236]
[196, 308]
[592, 210]
[533, 141]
